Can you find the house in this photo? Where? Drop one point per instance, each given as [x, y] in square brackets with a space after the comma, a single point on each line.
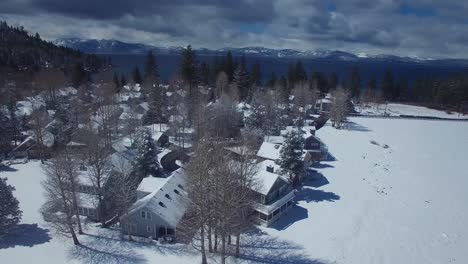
[161, 138]
[159, 213]
[275, 195]
[317, 150]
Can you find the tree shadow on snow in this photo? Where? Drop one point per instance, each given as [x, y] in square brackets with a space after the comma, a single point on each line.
[316, 179]
[109, 247]
[26, 235]
[257, 248]
[322, 166]
[355, 127]
[311, 195]
[295, 214]
[7, 168]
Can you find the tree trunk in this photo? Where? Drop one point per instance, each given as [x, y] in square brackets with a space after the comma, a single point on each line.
[223, 249]
[72, 232]
[237, 245]
[101, 211]
[210, 242]
[215, 249]
[75, 209]
[202, 245]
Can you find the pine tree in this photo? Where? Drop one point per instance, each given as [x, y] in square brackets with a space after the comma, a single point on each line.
[272, 81]
[137, 76]
[10, 214]
[148, 163]
[205, 74]
[229, 66]
[155, 114]
[290, 159]
[354, 84]
[188, 71]
[123, 80]
[242, 82]
[117, 83]
[151, 67]
[256, 75]
[388, 85]
[333, 81]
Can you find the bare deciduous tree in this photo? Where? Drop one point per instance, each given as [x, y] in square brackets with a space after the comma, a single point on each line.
[60, 208]
[124, 187]
[339, 109]
[39, 121]
[96, 157]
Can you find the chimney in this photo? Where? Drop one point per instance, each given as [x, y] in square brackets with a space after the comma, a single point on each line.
[270, 169]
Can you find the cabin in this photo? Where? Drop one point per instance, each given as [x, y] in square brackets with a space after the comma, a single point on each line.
[158, 214]
[275, 195]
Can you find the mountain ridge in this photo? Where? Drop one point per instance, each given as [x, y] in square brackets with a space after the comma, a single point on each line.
[112, 46]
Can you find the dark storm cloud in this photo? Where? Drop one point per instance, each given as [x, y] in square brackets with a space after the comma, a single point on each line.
[418, 27]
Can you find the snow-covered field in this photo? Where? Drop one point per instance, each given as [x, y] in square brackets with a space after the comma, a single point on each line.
[400, 203]
[404, 109]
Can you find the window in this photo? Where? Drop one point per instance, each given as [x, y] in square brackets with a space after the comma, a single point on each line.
[168, 197]
[91, 212]
[143, 214]
[148, 229]
[162, 204]
[180, 186]
[176, 191]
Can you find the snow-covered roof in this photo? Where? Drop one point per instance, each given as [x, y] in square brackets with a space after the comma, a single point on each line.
[274, 139]
[123, 159]
[150, 184]
[269, 150]
[156, 135]
[145, 106]
[127, 115]
[169, 202]
[266, 179]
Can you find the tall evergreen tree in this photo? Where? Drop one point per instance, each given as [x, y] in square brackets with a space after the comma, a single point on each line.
[388, 85]
[242, 80]
[10, 214]
[333, 81]
[256, 74]
[290, 159]
[148, 163]
[188, 70]
[354, 82]
[229, 66]
[205, 74]
[117, 83]
[151, 67]
[123, 80]
[137, 76]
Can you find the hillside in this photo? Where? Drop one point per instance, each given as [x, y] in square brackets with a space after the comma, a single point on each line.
[21, 51]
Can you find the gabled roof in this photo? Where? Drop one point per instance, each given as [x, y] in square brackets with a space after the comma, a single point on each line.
[269, 151]
[265, 179]
[169, 202]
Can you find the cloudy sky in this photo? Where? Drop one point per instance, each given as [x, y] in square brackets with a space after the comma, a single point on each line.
[427, 28]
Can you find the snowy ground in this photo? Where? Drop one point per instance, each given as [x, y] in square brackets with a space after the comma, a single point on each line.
[403, 109]
[405, 203]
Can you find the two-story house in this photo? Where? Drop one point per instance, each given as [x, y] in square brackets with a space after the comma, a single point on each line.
[159, 213]
[275, 195]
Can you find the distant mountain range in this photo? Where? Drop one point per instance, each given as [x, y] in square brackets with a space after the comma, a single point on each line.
[105, 46]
